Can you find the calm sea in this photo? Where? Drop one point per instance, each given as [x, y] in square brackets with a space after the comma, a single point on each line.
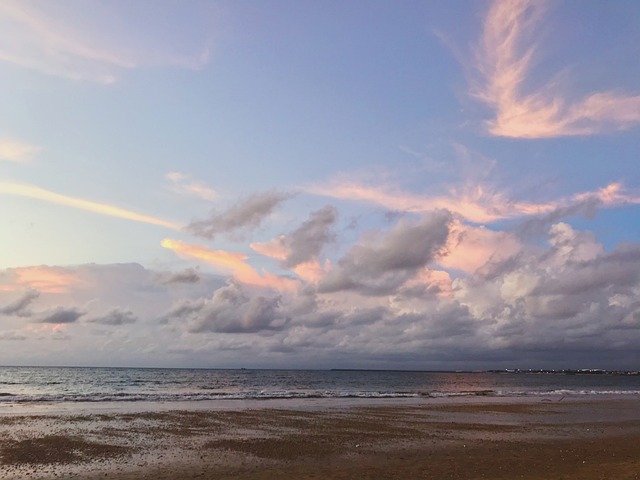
[68, 384]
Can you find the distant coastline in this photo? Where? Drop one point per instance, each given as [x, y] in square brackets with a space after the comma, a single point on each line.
[579, 371]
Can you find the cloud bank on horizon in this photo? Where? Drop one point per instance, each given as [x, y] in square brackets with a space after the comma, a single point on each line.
[340, 204]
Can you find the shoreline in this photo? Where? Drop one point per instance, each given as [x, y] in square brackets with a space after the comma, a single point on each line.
[470, 437]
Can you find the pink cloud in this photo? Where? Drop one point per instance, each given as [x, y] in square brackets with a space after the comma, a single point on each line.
[505, 63]
[312, 271]
[474, 203]
[233, 263]
[278, 248]
[42, 278]
[469, 248]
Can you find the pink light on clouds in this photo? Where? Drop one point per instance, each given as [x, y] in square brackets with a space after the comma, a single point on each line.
[469, 248]
[42, 278]
[504, 65]
[233, 263]
[476, 204]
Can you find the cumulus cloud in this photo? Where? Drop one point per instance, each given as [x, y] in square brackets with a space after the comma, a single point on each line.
[242, 217]
[114, 317]
[504, 62]
[571, 294]
[231, 310]
[379, 267]
[20, 307]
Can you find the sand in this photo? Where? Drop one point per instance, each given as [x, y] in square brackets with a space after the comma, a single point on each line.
[462, 439]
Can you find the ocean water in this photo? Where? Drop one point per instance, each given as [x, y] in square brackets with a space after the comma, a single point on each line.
[70, 384]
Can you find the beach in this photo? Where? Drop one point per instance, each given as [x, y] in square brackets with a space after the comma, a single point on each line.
[468, 438]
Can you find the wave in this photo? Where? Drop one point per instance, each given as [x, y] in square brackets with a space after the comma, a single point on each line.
[287, 394]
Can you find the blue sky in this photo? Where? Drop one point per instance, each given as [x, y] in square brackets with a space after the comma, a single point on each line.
[320, 184]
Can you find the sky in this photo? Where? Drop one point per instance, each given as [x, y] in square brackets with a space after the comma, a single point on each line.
[285, 184]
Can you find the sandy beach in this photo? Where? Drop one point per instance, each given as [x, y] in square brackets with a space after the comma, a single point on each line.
[496, 438]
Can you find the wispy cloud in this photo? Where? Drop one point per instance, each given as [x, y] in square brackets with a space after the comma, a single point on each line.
[504, 62]
[305, 243]
[32, 191]
[183, 184]
[247, 214]
[12, 150]
[474, 203]
[78, 41]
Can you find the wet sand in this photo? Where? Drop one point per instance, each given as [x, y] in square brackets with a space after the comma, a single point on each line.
[462, 439]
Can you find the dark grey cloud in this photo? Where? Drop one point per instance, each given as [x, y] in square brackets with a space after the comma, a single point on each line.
[244, 216]
[230, 310]
[114, 317]
[380, 268]
[20, 307]
[307, 241]
[188, 276]
[60, 315]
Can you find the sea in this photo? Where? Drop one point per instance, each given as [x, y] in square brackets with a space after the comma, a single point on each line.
[22, 385]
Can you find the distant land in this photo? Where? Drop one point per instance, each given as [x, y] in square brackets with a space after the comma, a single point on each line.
[564, 371]
[580, 371]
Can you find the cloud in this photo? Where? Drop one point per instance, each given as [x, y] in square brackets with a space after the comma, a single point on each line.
[469, 248]
[114, 317]
[60, 315]
[504, 61]
[183, 184]
[477, 203]
[188, 275]
[231, 310]
[20, 307]
[244, 216]
[43, 279]
[231, 262]
[96, 42]
[15, 151]
[32, 191]
[11, 336]
[571, 295]
[305, 243]
[380, 266]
